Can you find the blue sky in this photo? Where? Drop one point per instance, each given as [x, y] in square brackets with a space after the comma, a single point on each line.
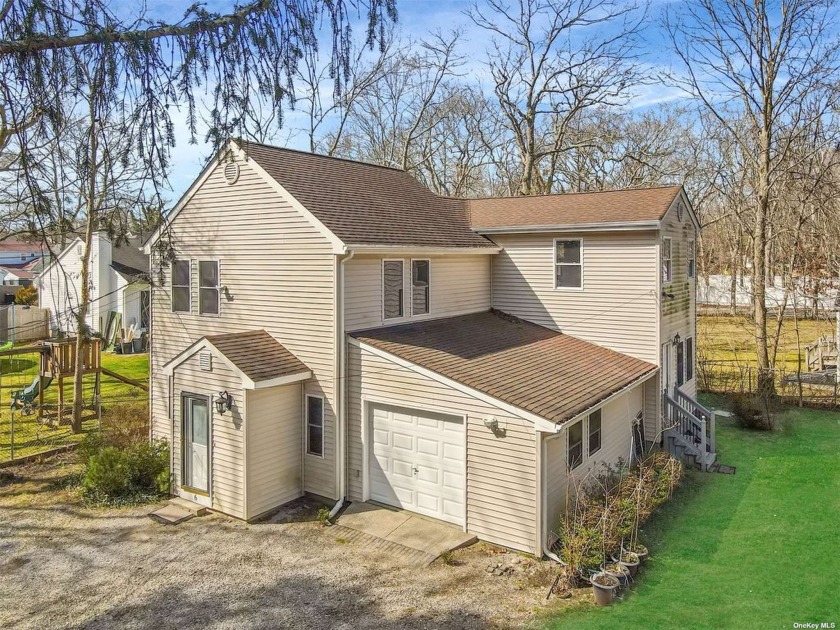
[417, 18]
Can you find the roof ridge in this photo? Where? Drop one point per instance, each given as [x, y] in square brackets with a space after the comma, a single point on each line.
[566, 194]
[321, 155]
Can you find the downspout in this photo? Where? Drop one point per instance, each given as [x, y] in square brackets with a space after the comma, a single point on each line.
[548, 553]
[341, 373]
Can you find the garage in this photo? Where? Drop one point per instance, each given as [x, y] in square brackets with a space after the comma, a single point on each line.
[417, 461]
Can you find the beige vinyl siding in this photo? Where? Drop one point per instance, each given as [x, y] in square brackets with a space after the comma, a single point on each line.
[617, 307]
[459, 284]
[501, 471]
[679, 314]
[227, 433]
[274, 437]
[280, 275]
[616, 442]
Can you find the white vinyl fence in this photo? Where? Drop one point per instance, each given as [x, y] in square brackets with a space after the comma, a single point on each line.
[23, 323]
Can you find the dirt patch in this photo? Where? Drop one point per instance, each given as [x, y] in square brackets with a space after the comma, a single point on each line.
[70, 566]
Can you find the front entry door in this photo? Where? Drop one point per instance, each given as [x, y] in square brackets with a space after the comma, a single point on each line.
[196, 441]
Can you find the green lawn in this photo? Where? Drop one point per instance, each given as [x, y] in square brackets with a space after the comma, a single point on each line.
[31, 437]
[757, 549]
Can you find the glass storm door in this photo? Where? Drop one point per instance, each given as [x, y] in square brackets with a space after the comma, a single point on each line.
[196, 444]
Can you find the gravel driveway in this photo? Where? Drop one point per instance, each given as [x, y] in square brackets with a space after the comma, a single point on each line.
[63, 565]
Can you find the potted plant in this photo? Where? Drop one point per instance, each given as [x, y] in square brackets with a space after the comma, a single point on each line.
[604, 586]
[618, 571]
[638, 548]
[629, 560]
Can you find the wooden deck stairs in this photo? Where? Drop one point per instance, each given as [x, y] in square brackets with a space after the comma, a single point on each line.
[689, 430]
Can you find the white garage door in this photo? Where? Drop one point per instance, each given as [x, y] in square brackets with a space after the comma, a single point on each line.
[417, 461]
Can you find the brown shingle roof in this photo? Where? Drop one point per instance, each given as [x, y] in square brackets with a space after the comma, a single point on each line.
[368, 204]
[547, 373]
[129, 259]
[258, 355]
[615, 206]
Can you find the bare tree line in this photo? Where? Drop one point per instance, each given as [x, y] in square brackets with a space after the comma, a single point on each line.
[546, 107]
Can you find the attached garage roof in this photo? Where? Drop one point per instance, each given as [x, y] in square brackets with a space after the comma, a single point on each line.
[547, 373]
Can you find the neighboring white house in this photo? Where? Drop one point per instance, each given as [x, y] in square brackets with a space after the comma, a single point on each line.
[119, 282]
[331, 327]
[20, 261]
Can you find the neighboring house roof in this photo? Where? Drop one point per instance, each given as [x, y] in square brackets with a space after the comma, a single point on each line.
[21, 273]
[128, 259]
[258, 355]
[365, 203]
[21, 247]
[642, 205]
[541, 371]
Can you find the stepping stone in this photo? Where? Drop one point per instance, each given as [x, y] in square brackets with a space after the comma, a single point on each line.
[171, 514]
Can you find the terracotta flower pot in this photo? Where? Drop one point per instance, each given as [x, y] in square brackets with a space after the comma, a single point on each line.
[604, 586]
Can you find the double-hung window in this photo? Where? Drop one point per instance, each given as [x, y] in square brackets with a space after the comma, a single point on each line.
[692, 258]
[575, 452]
[181, 286]
[568, 264]
[315, 425]
[666, 260]
[594, 432]
[420, 284]
[392, 289]
[208, 287]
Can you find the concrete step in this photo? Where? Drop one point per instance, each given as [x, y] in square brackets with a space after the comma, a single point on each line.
[190, 506]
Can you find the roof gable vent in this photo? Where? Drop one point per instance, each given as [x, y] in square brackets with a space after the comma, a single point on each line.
[231, 172]
[205, 361]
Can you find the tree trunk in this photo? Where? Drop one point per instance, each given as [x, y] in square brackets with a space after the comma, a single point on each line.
[81, 330]
[765, 384]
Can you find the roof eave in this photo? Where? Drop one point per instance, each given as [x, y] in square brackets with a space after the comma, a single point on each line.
[373, 248]
[618, 226]
[598, 405]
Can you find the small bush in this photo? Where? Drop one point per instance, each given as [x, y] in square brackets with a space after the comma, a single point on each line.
[134, 474]
[754, 411]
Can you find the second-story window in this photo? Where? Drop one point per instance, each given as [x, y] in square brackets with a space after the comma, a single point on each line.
[568, 264]
[420, 284]
[208, 287]
[692, 258]
[181, 286]
[666, 260]
[392, 289]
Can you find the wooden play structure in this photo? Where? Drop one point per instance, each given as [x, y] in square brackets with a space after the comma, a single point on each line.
[57, 366]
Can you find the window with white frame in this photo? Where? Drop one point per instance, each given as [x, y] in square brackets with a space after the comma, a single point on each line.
[575, 448]
[692, 258]
[180, 289]
[666, 260]
[420, 285]
[208, 287]
[594, 432]
[315, 425]
[568, 264]
[392, 289]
